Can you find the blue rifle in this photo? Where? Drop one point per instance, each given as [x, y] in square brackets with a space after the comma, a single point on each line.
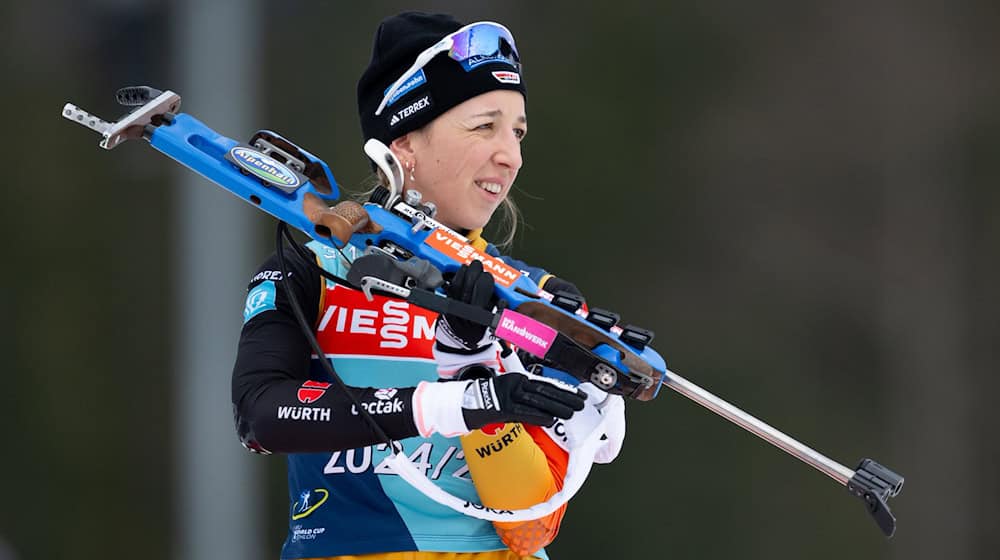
[296, 187]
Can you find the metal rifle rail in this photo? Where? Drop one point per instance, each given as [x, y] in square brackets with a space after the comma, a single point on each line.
[761, 429]
[871, 482]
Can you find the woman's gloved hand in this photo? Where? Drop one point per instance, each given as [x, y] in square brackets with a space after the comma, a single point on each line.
[460, 343]
[458, 407]
[472, 285]
[465, 352]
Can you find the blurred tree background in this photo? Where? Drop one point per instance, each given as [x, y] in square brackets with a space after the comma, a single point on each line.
[799, 198]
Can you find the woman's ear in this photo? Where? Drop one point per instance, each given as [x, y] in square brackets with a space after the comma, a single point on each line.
[404, 148]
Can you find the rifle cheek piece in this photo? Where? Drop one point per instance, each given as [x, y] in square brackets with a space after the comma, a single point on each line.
[339, 222]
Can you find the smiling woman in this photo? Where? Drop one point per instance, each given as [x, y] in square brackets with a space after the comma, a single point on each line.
[448, 102]
[467, 159]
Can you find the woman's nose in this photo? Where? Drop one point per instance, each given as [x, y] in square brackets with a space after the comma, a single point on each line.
[508, 153]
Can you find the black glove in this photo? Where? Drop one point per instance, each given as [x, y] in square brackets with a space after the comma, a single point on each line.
[472, 285]
[517, 397]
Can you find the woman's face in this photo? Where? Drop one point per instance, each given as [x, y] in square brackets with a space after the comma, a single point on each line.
[467, 159]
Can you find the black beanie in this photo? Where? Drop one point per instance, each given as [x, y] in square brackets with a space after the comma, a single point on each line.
[398, 41]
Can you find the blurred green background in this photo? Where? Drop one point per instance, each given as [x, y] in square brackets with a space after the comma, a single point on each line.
[798, 197]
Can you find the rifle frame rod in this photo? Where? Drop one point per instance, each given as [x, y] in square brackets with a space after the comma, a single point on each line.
[759, 428]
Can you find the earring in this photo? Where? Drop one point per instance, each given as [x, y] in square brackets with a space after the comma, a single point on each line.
[413, 166]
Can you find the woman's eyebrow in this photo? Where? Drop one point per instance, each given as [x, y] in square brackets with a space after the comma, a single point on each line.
[497, 113]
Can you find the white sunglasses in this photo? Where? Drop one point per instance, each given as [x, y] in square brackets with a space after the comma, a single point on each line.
[472, 45]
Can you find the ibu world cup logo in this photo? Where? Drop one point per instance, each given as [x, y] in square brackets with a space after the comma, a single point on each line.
[308, 502]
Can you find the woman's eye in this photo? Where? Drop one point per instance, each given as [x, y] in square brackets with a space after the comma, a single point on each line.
[520, 133]
[485, 126]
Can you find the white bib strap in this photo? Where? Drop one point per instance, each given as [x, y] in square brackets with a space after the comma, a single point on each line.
[581, 458]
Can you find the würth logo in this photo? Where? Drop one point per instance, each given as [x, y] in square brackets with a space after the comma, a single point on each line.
[311, 391]
[501, 443]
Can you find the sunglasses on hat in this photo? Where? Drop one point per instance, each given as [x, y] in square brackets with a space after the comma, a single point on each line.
[475, 44]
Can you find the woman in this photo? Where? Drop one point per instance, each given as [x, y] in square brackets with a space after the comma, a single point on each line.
[448, 100]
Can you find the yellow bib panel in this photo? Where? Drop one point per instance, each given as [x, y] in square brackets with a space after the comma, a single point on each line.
[515, 466]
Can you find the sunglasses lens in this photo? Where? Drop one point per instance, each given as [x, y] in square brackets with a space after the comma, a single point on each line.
[483, 43]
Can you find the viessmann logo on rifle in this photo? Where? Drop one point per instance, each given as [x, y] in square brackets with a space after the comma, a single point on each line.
[456, 248]
[265, 167]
